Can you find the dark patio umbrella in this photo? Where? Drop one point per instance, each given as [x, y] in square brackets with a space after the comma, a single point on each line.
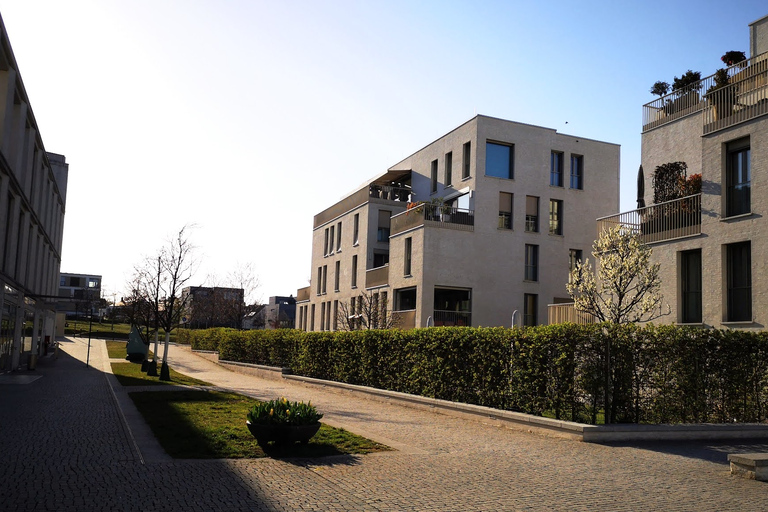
[640, 188]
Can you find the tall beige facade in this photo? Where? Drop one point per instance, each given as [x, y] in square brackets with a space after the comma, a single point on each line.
[480, 223]
[33, 187]
[711, 245]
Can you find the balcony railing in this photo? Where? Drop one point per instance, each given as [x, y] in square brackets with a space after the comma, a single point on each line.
[742, 99]
[390, 193]
[561, 313]
[452, 318]
[659, 222]
[377, 276]
[433, 215]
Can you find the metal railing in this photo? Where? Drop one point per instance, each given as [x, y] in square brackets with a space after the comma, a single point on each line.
[433, 215]
[505, 220]
[746, 80]
[659, 222]
[390, 193]
[561, 313]
[452, 318]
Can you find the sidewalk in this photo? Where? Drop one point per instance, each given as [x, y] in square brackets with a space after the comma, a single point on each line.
[66, 430]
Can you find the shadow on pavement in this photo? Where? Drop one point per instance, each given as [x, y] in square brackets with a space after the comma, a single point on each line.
[710, 451]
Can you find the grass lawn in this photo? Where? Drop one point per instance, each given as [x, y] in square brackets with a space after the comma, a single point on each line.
[106, 330]
[130, 374]
[116, 350]
[211, 425]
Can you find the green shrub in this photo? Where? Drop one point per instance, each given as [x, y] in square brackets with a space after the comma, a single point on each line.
[282, 412]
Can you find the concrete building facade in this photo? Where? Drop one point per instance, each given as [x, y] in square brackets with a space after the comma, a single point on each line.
[482, 222]
[33, 186]
[709, 244]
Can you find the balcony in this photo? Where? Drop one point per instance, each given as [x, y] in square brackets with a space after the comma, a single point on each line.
[376, 277]
[679, 218]
[390, 193]
[562, 313]
[452, 318]
[435, 216]
[744, 97]
[302, 294]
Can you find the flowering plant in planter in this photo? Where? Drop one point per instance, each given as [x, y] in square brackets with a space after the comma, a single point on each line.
[282, 412]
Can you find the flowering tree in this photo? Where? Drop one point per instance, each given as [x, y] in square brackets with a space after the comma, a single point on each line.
[626, 286]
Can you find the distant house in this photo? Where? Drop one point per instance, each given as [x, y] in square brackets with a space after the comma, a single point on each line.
[281, 312]
[709, 244]
[79, 294]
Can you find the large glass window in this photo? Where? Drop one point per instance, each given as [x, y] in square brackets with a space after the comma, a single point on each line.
[385, 219]
[739, 262]
[555, 217]
[737, 199]
[505, 210]
[499, 160]
[690, 286]
[531, 262]
[355, 228]
[453, 306]
[405, 299]
[556, 169]
[577, 172]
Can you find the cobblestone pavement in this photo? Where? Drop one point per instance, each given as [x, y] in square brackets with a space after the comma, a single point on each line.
[66, 445]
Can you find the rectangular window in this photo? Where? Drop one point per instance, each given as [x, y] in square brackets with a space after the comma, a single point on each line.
[354, 271]
[577, 172]
[448, 168]
[322, 316]
[319, 280]
[737, 180]
[433, 177]
[325, 244]
[328, 316]
[338, 237]
[405, 299]
[505, 210]
[465, 160]
[335, 315]
[331, 239]
[385, 218]
[312, 318]
[355, 229]
[499, 160]
[351, 318]
[532, 214]
[690, 286]
[407, 258]
[739, 261]
[556, 169]
[325, 278]
[337, 276]
[555, 217]
[453, 307]
[530, 306]
[574, 257]
[531, 262]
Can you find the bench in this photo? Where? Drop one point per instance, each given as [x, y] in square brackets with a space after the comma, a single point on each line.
[749, 465]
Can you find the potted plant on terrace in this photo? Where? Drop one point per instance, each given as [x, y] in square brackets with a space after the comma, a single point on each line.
[721, 99]
[686, 89]
[283, 422]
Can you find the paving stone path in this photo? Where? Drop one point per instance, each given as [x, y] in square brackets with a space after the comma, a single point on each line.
[71, 441]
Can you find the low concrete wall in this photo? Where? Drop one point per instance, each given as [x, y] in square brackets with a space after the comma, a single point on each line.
[257, 370]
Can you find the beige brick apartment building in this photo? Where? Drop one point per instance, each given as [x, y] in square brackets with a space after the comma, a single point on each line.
[33, 191]
[712, 246]
[509, 207]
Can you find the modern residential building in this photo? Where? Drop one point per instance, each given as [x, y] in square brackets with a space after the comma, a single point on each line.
[79, 294]
[33, 191]
[480, 223]
[281, 312]
[213, 306]
[709, 244]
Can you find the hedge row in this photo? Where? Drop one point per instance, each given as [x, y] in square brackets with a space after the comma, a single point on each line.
[653, 374]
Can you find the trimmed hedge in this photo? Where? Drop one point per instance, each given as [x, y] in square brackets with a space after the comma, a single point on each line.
[590, 374]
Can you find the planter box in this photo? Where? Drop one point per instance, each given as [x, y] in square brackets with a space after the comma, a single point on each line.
[282, 434]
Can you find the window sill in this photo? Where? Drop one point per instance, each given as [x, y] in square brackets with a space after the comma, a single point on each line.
[355, 244]
[529, 281]
[505, 229]
[690, 324]
[534, 232]
[499, 177]
[572, 188]
[736, 217]
[465, 178]
[739, 322]
[557, 234]
[354, 287]
[555, 186]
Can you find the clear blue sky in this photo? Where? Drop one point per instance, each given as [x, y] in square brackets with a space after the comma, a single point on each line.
[246, 118]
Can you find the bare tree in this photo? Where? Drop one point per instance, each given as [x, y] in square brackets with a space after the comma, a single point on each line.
[243, 277]
[366, 311]
[177, 266]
